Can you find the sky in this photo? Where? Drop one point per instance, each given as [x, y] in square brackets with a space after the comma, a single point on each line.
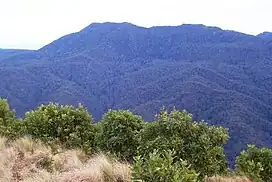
[31, 24]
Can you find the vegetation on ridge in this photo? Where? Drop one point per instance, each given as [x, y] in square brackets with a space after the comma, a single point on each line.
[173, 147]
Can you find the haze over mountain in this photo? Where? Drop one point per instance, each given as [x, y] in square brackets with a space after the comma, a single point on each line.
[223, 77]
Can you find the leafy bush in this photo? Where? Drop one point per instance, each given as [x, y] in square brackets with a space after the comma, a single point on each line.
[256, 163]
[9, 126]
[118, 133]
[161, 167]
[5, 113]
[197, 143]
[66, 125]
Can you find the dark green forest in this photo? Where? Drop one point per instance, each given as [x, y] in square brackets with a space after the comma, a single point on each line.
[221, 76]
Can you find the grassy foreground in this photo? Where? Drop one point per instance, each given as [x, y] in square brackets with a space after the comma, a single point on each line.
[31, 161]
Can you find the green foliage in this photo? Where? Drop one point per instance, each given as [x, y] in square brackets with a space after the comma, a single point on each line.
[162, 148]
[161, 167]
[5, 113]
[256, 163]
[9, 126]
[198, 143]
[66, 125]
[118, 133]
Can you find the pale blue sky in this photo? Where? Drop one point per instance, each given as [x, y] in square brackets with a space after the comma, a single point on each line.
[31, 24]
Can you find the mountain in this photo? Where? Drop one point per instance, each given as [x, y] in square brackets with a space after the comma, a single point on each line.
[266, 35]
[223, 77]
[6, 53]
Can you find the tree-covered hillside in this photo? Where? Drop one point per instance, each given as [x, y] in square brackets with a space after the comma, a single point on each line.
[7, 53]
[224, 77]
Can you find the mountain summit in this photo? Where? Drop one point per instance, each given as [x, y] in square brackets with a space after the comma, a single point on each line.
[266, 35]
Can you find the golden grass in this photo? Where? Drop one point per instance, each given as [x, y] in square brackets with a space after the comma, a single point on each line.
[99, 169]
[227, 179]
[27, 160]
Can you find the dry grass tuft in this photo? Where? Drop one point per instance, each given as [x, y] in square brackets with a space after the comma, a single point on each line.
[27, 160]
[27, 145]
[227, 179]
[67, 161]
[99, 169]
[3, 143]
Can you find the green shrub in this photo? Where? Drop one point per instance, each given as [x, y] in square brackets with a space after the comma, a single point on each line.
[9, 126]
[161, 167]
[65, 125]
[118, 133]
[197, 143]
[256, 163]
[5, 113]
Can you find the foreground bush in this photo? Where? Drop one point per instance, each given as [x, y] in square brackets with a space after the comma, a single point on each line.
[119, 133]
[197, 143]
[5, 113]
[126, 135]
[256, 163]
[65, 125]
[9, 126]
[161, 167]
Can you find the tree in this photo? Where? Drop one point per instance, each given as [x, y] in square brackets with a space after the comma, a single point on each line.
[65, 125]
[118, 133]
[196, 142]
[5, 112]
[161, 167]
[9, 126]
[256, 163]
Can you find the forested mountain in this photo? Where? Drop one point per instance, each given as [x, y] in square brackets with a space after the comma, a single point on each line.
[266, 35]
[6, 53]
[223, 77]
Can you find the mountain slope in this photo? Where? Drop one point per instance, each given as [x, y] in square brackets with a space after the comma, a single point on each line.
[224, 77]
[266, 35]
[7, 53]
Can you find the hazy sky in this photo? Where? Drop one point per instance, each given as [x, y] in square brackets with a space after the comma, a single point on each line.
[31, 24]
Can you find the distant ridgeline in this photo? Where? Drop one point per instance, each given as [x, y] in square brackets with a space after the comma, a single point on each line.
[223, 77]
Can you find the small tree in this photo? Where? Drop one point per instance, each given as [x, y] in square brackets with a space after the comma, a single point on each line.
[255, 163]
[5, 113]
[118, 133]
[66, 125]
[198, 143]
[161, 167]
[9, 126]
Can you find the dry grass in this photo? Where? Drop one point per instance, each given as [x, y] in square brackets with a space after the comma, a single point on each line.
[99, 169]
[26, 160]
[227, 179]
[30, 161]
